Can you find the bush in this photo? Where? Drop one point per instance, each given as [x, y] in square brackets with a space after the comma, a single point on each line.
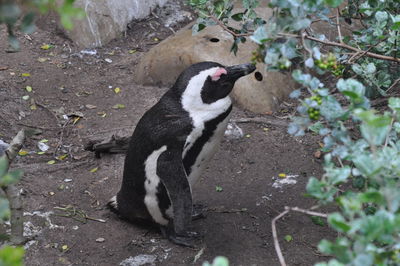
[361, 145]
[12, 16]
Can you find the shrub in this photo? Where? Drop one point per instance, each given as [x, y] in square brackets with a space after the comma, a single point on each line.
[361, 145]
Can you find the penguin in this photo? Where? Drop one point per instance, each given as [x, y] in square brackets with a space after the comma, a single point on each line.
[171, 145]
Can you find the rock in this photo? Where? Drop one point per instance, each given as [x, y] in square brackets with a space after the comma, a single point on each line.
[100, 240]
[259, 92]
[107, 19]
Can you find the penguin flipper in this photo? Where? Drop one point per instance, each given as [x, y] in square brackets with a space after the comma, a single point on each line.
[172, 174]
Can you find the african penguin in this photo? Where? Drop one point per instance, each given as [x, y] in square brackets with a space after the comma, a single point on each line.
[171, 145]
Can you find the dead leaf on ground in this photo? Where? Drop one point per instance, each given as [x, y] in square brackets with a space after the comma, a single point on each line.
[119, 106]
[90, 106]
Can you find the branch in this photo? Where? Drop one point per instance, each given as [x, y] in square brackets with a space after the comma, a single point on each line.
[274, 231]
[338, 26]
[325, 42]
[343, 45]
[393, 85]
[13, 194]
[225, 28]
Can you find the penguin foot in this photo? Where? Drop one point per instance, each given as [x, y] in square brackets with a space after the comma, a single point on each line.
[198, 212]
[182, 241]
[185, 240]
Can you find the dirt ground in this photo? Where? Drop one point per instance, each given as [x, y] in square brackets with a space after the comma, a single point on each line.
[237, 188]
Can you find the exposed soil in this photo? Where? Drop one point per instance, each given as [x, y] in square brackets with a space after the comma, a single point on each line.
[64, 82]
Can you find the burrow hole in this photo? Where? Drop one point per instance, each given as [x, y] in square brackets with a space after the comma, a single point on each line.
[214, 40]
[258, 76]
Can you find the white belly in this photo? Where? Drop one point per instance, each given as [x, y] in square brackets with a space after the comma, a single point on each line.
[208, 151]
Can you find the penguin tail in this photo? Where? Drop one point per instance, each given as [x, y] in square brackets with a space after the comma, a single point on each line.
[113, 205]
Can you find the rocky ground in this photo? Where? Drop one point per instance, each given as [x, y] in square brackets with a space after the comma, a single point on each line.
[74, 98]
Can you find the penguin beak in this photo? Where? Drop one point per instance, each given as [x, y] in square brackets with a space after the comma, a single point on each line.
[237, 71]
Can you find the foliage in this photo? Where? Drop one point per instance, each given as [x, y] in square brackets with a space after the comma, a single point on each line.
[12, 16]
[12, 256]
[218, 261]
[9, 256]
[361, 145]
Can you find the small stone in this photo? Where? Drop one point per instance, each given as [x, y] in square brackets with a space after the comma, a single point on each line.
[108, 60]
[100, 240]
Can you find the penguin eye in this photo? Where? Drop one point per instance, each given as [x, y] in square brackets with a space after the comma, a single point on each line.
[218, 73]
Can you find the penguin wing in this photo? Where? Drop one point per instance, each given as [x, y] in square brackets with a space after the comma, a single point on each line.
[172, 174]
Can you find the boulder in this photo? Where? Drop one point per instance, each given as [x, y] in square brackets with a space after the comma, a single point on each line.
[107, 19]
[260, 92]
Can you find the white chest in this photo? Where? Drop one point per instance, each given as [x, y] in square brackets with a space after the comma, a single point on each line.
[207, 151]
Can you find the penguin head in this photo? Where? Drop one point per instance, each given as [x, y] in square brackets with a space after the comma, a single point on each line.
[208, 82]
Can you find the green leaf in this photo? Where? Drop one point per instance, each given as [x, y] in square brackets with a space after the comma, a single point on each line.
[331, 108]
[4, 209]
[337, 221]
[288, 238]
[381, 16]
[12, 177]
[372, 197]
[333, 3]
[316, 127]
[237, 16]
[301, 24]
[352, 89]
[250, 4]
[366, 164]
[317, 220]
[325, 246]
[260, 36]
[363, 260]
[358, 182]
[3, 165]
[218, 188]
[338, 175]
[12, 256]
[374, 128]
[220, 261]
[394, 104]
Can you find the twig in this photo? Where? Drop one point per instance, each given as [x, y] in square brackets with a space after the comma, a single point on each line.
[59, 143]
[275, 236]
[393, 85]
[358, 55]
[13, 194]
[46, 108]
[79, 215]
[274, 231]
[345, 46]
[44, 167]
[318, 20]
[262, 120]
[338, 26]
[312, 213]
[303, 34]
[225, 28]
[38, 127]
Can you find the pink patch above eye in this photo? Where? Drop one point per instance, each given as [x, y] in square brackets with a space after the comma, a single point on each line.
[217, 75]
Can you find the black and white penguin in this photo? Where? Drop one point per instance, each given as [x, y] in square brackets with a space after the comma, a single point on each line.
[171, 145]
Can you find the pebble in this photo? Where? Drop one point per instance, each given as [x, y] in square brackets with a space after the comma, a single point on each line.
[100, 240]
